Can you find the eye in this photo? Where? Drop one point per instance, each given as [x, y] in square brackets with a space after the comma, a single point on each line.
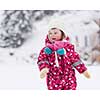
[55, 33]
[50, 33]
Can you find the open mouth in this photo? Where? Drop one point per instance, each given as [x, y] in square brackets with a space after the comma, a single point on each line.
[53, 38]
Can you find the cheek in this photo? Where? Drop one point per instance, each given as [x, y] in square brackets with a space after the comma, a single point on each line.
[51, 37]
[59, 36]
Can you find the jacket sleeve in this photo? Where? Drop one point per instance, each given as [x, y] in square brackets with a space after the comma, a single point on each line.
[75, 59]
[42, 60]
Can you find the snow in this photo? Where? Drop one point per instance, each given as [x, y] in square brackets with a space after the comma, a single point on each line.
[26, 76]
[93, 82]
[20, 70]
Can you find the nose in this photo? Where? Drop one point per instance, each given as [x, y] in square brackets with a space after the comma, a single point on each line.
[53, 34]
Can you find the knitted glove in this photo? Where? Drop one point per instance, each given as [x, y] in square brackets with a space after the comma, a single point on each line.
[47, 50]
[61, 51]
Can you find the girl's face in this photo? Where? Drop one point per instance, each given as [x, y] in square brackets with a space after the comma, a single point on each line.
[55, 34]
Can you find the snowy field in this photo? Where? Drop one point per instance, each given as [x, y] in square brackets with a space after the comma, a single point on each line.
[20, 71]
[26, 76]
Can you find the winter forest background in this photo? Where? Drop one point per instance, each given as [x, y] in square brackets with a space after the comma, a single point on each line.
[22, 35]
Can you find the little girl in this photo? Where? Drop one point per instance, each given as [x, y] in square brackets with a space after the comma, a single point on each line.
[58, 61]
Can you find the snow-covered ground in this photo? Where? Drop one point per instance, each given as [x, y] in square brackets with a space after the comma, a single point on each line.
[20, 71]
[26, 76]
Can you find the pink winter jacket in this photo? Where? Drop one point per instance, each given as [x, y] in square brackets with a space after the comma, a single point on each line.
[62, 77]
